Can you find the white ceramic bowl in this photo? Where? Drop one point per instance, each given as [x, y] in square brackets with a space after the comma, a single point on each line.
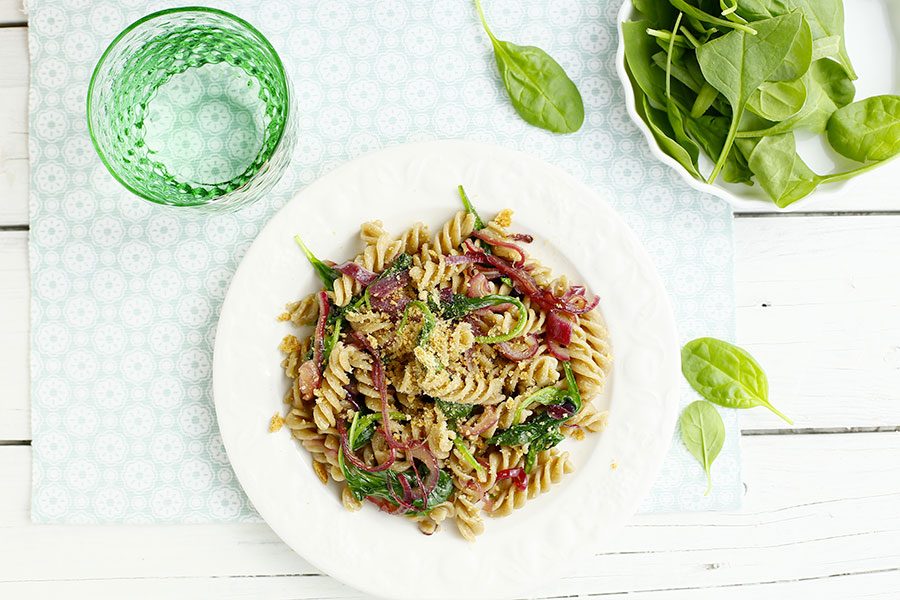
[872, 30]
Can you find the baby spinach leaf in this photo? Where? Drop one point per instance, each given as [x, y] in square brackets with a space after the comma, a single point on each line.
[676, 120]
[703, 433]
[779, 169]
[778, 100]
[828, 88]
[386, 484]
[706, 97]
[867, 130]
[737, 63]
[825, 18]
[661, 128]
[825, 47]
[639, 51]
[726, 375]
[711, 132]
[538, 87]
[657, 13]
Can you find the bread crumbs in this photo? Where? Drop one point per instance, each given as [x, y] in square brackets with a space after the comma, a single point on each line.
[276, 423]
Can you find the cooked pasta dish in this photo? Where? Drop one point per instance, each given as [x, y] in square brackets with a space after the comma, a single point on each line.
[434, 376]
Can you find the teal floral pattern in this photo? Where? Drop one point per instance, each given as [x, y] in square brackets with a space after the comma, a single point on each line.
[126, 294]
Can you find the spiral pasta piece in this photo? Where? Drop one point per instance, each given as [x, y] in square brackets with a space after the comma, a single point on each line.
[434, 273]
[550, 467]
[589, 418]
[302, 312]
[590, 354]
[414, 238]
[453, 233]
[468, 516]
[430, 522]
[375, 257]
[331, 396]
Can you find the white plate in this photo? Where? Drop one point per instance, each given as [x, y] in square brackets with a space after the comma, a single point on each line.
[576, 231]
[872, 33]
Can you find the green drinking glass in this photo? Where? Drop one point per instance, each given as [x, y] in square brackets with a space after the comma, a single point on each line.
[192, 107]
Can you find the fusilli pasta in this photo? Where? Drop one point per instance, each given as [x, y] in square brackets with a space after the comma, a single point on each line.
[432, 379]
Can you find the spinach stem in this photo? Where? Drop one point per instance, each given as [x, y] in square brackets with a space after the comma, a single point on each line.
[786, 418]
[518, 330]
[833, 177]
[669, 57]
[693, 11]
[690, 37]
[467, 456]
[726, 147]
[484, 24]
[666, 36]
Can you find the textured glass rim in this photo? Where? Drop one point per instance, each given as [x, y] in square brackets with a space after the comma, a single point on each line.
[135, 25]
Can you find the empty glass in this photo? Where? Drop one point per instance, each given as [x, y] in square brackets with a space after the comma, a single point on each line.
[192, 107]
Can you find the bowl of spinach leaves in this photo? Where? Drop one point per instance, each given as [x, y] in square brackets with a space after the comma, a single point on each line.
[758, 100]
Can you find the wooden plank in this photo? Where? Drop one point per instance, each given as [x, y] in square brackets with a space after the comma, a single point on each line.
[12, 12]
[13, 122]
[14, 372]
[819, 306]
[821, 515]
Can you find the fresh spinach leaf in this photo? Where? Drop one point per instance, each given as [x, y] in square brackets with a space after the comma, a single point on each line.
[778, 100]
[779, 169]
[538, 87]
[703, 433]
[639, 51]
[737, 63]
[659, 124]
[711, 133]
[677, 122]
[657, 13]
[867, 130]
[825, 18]
[726, 375]
[828, 88]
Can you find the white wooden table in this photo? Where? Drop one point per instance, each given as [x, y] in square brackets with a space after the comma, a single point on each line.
[818, 299]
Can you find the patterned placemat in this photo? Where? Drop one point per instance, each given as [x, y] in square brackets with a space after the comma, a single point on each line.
[125, 294]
